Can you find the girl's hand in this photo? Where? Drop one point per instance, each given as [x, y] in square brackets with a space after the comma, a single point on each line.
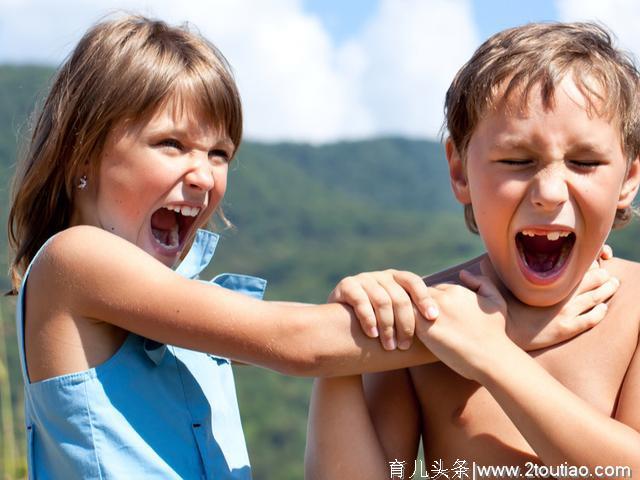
[384, 304]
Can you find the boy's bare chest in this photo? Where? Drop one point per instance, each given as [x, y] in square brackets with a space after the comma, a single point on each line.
[462, 421]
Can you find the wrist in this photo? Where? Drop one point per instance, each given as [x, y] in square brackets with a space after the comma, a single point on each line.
[496, 362]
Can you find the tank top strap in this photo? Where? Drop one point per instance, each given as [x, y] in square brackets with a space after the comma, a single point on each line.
[20, 313]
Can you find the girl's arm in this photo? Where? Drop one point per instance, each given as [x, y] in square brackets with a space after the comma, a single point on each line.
[131, 290]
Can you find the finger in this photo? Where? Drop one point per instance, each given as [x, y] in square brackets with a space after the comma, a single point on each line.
[606, 253]
[480, 284]
[383, 308]
[590, 299]
[350, 291]
[593, 279]
[568, 329]
[403, 313]
[583, 322]
[419, 293]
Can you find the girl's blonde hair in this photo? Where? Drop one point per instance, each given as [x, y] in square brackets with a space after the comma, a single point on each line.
[121, 70]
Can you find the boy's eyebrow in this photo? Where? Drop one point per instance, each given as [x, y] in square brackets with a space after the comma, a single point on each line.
[587, 148]
[580, 148]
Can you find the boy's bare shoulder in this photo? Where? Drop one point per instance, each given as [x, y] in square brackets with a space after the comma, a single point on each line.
[626, 298]
[451, 274]
[622, 268]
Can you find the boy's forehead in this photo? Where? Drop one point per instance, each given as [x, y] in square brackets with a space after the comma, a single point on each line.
[524, 118]
[521, 98]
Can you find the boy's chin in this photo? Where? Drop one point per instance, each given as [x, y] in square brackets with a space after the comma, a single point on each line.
[542, 297]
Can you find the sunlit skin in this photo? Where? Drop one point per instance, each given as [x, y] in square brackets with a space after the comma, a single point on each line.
[182, 160]
[488, 401]
[543, 169]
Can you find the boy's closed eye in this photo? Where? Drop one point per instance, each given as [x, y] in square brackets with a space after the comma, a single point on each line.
[585, 164]
[516, 162]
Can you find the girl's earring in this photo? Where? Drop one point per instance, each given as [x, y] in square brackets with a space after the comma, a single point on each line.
[82, 184]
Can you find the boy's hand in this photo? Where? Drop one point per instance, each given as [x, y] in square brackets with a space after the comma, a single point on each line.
[384, 304]
[579, 314]
[470, 326]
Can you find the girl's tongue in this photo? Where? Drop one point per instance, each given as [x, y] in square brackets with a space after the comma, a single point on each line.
[165, 228]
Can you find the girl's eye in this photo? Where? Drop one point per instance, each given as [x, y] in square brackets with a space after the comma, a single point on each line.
[219, 153]
[171, 143]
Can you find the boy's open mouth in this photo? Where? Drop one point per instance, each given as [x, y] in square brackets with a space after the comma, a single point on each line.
[544, 253]
[170, 225]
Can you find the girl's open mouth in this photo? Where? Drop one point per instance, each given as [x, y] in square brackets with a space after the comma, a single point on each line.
[171, 225]
[543, 255]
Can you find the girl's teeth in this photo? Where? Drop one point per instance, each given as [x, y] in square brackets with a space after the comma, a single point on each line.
[184, 210]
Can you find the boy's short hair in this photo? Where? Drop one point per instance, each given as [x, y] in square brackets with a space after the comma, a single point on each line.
[540, 55]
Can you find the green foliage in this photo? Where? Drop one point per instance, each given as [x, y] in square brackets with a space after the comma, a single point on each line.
[305, 217]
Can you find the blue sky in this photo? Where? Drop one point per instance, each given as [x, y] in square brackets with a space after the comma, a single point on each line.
[343, 18]
[321, 70]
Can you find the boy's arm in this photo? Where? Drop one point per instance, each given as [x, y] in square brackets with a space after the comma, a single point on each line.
[395, 413]
[341, 439]
[347, 440]
[561, 427]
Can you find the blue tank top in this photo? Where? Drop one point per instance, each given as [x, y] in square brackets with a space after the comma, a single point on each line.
[150, 411]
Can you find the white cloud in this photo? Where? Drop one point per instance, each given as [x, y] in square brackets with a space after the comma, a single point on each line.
[295, 82]
[620, 16]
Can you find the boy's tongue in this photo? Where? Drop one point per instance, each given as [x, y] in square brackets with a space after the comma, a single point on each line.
[542, 254]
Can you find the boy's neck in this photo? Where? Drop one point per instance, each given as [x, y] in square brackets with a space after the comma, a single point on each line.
[516, 308]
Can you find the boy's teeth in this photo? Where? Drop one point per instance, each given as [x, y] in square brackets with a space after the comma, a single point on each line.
[184, 210]
[553, 236]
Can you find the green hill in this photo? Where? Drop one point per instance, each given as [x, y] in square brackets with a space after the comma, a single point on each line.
[305, 217]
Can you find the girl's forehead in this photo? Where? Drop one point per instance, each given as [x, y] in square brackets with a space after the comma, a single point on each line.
[178, 114]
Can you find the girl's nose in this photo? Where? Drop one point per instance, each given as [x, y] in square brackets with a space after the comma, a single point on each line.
[200, 175]
[549, 190]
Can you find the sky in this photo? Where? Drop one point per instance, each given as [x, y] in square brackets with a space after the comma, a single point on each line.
[321, 70]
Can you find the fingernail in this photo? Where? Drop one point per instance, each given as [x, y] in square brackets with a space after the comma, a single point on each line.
[373, 332]
[616, 281]
[404, 345]
[389, 343]
[432, 312]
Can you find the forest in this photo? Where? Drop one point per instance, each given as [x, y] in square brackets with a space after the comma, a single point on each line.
[304, 216]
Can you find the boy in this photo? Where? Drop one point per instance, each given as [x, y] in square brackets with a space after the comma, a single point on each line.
[543, 152]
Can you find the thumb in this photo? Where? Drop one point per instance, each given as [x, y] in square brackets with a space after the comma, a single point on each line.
[481, 285]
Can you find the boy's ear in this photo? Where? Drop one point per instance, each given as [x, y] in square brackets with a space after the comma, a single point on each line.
[457, 174]
[630, 185]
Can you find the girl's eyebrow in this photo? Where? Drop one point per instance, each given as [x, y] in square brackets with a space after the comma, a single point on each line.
[224, 142]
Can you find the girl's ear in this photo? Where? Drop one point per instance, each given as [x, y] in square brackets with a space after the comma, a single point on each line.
[457, 173]
[630, 184]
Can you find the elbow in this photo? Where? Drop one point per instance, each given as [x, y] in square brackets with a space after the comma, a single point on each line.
[300, 363]
[300, 351]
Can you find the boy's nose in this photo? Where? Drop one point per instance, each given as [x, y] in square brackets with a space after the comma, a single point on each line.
[549, 190]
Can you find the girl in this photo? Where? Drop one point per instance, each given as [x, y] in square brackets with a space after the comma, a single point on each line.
[129, 157]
